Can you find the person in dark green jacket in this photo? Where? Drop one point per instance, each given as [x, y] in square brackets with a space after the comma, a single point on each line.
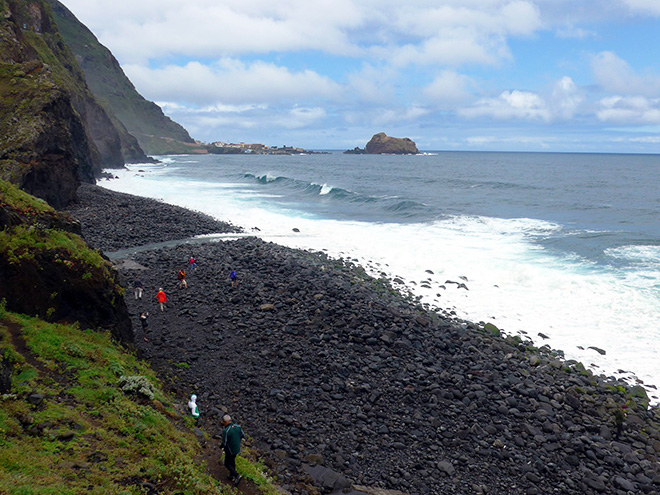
[231, 442]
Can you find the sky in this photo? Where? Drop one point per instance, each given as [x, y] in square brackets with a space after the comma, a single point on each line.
[483, 75]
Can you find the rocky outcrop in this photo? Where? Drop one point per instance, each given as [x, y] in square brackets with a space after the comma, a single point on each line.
[382, 144]
[53, 134]
[155, 132]
[47, 270]
[43, 145]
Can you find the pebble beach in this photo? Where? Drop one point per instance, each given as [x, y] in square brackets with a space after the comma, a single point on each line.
[344, 383]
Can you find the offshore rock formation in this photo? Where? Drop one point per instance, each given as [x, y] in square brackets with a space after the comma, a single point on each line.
[47, 270]
[381, 143]
[132, 114]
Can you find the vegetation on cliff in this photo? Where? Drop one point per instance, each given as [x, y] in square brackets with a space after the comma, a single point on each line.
[32, 24]
[156, 133]
[52, 132]
[43, 147]
[47, 270]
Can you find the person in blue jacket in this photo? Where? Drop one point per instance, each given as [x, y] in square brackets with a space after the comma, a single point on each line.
[231, 442]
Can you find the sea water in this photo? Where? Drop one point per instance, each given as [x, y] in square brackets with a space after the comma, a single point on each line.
[561, 248]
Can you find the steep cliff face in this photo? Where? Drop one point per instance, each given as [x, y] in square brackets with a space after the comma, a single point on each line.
[52, 132]
[155, 132]
[43, 146]
[47, 270]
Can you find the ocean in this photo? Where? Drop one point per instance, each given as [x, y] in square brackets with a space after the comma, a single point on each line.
[563, 249]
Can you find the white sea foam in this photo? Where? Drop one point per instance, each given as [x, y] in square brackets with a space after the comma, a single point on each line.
[511, 282]
[325, 189]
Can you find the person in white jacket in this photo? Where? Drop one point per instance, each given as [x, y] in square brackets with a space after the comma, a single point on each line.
[192, 405]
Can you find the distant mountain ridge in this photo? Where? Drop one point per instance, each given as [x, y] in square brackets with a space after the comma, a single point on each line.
[155, 132]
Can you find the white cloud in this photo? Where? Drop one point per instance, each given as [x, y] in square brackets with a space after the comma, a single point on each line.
[220, 123]
[651, 7]
[410, 32]
[303, 117]
[616, 76]
[449, 89]
[461, 34]
[566, 99]
[454, 47]
[510, 105]
[542, 142]
[573, 32]
[230, 81]
[646, 139]
[372, 85]
[629, 110]
[378, 117]
[152, 29]
[561, 104]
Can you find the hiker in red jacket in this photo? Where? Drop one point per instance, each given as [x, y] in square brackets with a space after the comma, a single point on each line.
[162, 298]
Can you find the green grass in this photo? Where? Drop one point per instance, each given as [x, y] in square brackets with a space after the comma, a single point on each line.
[89, 436]
[249, 466]
[22, 202]
[23, 242]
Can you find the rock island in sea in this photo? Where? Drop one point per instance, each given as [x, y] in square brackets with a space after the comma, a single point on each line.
[381, 144]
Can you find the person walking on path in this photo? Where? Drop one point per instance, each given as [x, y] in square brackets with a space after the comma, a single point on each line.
[181, 276]
[162, 299]
[137, 289]
[144, 321]
[231, 442]
[192, 264]
[234, 278]
[192, 406]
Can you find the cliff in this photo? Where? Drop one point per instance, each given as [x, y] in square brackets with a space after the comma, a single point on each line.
[155, 132]
[381, 143]
[46, 269]
[53, 134]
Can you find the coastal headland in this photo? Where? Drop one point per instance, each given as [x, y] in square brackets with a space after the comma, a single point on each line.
[339, 379]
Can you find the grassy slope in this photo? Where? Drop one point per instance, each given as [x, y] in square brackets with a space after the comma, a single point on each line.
[87, 435]
[91, 434]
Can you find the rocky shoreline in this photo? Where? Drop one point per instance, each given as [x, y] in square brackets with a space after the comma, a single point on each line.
[336, 376]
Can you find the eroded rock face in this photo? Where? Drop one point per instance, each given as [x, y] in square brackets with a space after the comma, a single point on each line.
[48, 271]
[57, 287]
[381, 143]
[53, 133]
